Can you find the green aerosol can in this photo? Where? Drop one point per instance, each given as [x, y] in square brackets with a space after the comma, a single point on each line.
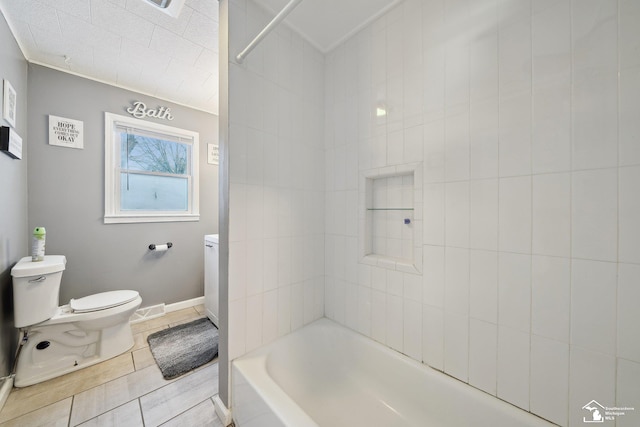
[37, 244]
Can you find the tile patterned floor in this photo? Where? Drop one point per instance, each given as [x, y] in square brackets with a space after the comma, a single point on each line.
[127, 390]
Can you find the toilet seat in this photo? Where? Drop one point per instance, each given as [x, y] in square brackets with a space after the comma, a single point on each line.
[102, 301]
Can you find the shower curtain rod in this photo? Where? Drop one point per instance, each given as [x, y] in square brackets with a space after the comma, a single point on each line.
[275, 21]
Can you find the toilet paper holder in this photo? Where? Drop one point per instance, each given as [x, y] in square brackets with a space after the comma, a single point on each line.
[160, 247]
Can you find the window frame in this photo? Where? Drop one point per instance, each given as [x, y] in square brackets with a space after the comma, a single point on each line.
[112, 212]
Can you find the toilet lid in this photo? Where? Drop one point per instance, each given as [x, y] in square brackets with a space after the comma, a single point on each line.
[102, 301]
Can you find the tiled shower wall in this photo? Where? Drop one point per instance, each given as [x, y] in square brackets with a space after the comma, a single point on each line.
[276, 194]
[525, 115]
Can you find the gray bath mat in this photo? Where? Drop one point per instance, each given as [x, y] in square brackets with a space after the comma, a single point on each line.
[185, 347]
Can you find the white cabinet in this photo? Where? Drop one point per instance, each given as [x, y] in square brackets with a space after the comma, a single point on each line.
[211, 252]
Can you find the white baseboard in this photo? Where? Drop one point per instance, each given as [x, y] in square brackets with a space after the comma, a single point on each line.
[184, 304]
[159, 310]
[147, 313]
[5, 389]
[221, 410]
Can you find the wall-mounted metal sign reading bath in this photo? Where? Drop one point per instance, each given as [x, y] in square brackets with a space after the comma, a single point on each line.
[139, 110]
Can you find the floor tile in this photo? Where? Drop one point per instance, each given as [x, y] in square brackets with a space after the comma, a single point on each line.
[54, 415]
[27, 399]
[174, 399]
[108, 396]
[143, 358]
[127, 415]
[203, 414]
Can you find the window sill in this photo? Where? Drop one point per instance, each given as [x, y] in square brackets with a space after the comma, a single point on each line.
[128, 219]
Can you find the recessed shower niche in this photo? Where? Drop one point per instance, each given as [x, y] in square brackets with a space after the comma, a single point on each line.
[391, 217]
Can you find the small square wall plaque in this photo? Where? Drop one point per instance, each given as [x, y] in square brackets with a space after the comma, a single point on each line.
[10, 142]
[66, 132]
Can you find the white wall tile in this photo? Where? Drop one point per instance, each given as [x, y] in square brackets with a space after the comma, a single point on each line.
[395, 284]
[433, 278]
[550, 379]
[413, 144]
[627, 311]
[395, 147]
[457, 147]
[628, 13]
[551, 232]
[284, 310]
[483, 286]
[483, 349]
[594, 210]
[515, 215]
[456, 346]
[515, 135]
[627, 391]
[237, 327]
[395, 322]
[284, 261]
[551, 48]
[629, 214]
[434, 151]
[484, 138]
[551, 297]
[551, 126]
[595, 121]
[433, 336]
[270, 316]
[594, 34]
[593, 305]
[515, 57]
[629, 104]
[379, 320]
[412, 284]
[434, 214]
[551, 42]
[457, 214]
[379, 279]
[456, 71]
[483, 226]
[592, 376]
[412, 329]
[350, 305]
[434, 87]
[237, 270]
[456, 293]
[254, 258]
[513, 366]
[483, 60]
[514, 291]
[364, 310]
[254, 322]
[297, 304]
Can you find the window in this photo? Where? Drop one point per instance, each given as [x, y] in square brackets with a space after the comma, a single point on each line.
[151, 172]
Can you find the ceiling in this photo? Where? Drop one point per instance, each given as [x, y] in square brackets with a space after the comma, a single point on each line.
[133, 45]
[327, 23]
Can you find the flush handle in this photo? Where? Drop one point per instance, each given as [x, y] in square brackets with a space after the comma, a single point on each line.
[38, 280]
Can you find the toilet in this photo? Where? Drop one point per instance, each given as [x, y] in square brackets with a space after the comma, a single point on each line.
[62, 339]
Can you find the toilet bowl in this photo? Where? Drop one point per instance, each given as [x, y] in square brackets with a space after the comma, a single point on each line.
[62, 339]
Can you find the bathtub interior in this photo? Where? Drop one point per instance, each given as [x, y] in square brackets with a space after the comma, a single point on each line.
[341, 378]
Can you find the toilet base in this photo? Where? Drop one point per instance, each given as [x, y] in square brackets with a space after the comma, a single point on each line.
[54, 350]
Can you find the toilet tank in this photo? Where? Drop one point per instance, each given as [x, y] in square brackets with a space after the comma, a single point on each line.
[36, 289]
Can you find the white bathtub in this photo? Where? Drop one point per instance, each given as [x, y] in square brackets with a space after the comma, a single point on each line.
[326, 375]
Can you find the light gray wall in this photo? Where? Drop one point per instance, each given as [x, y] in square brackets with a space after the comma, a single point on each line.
[13, 194]
[66, 195]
